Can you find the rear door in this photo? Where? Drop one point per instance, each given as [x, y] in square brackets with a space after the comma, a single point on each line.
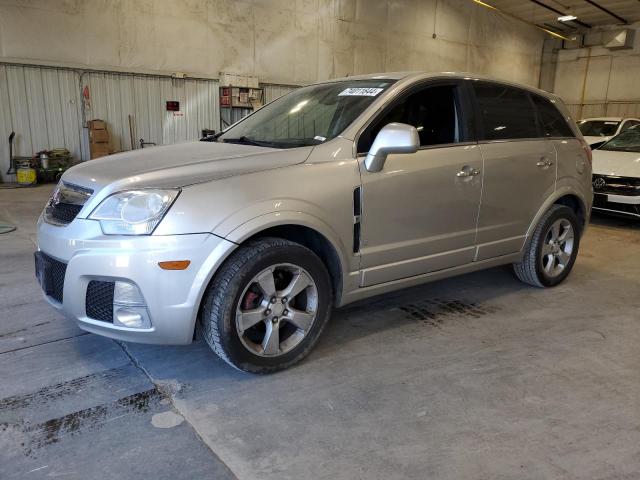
[519, 167]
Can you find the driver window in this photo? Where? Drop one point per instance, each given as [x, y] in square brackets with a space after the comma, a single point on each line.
[434, 111]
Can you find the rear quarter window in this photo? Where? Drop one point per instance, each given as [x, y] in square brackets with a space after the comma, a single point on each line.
[506, 112]
[552, 123]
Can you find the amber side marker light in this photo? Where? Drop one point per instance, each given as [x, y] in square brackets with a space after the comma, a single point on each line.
[175, 265]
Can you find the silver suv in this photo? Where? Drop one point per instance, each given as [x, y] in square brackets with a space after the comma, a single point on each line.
[333, 193]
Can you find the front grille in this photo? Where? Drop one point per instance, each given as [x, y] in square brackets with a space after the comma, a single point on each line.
[616, 185]
[51, 273]
[65, 204]
[99, 300]
[64, 212]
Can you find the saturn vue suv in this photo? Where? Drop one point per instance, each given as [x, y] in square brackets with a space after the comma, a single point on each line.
[333, 193]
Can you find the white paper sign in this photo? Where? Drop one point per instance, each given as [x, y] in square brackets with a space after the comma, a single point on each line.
[360, 92]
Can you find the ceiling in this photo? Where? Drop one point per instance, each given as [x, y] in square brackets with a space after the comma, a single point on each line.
[545, 13]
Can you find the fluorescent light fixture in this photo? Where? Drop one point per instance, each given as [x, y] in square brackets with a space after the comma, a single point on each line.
[567, 18]
[485, 4]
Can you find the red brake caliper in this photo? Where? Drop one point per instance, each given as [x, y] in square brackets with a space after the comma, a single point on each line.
[249, 301]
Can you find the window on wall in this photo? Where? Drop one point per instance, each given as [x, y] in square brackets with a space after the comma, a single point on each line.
[434, 111]
[552, 122]
[505, 112]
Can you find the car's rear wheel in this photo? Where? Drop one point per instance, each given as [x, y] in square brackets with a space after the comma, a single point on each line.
[267, 306]
[552, 251]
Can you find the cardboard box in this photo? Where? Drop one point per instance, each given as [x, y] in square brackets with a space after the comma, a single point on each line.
[98, 150]
[98, 136]
[97, 124]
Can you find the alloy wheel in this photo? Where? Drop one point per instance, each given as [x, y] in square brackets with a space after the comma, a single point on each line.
[557, 247]
[277, 310]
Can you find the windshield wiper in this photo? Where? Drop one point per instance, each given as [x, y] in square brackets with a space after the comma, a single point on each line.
[212, 138]
[249, 141]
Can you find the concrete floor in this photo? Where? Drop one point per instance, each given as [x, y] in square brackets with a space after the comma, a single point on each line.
[476, 377]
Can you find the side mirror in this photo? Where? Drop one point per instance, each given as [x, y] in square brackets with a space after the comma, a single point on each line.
[393, 138]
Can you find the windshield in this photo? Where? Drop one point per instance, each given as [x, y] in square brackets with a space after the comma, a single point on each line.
[307, 116]
[598, 128]
[627, 141]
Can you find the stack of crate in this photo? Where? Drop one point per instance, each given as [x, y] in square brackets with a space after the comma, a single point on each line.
[98, 138]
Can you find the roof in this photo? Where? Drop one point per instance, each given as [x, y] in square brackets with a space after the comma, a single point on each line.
[416, 76]
[374, 76]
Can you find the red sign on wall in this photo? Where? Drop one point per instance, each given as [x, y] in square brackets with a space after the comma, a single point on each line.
[173, 106]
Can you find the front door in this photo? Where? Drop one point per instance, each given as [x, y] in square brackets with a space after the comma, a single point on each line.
[419, 213]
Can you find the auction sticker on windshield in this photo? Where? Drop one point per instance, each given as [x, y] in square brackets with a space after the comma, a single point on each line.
[360, 92]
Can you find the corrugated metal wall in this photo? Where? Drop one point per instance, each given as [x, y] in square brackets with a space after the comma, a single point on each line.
[42, 106]
[114, 97]
[45, 107]
[271, 91]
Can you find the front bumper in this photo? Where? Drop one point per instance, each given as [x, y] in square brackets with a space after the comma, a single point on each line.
[626, 205]
[172, 297]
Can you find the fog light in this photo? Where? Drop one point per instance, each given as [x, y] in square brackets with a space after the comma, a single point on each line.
[131, 317]
[129, 307]
[126, 293]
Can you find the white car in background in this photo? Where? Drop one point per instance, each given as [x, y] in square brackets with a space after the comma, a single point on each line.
[596, 131]
[616, 175]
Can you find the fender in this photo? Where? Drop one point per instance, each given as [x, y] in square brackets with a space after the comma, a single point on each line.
[255, 225]
[273, 212]
[274, 219]
[566, 186]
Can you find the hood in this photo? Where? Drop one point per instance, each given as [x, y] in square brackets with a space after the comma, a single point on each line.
[621, 164]
[596, 139]
[179, 165]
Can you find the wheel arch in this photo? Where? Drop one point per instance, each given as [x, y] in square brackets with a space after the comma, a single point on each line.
[572, 201]
[306, 230]
[564, 196]
[314, 241]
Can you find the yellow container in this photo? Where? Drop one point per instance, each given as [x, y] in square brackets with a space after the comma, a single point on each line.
[26, 175]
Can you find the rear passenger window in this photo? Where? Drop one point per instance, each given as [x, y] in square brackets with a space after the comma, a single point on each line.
[505, 112]
[551, 120]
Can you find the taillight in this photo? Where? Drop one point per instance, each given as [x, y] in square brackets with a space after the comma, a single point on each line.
[587, 150]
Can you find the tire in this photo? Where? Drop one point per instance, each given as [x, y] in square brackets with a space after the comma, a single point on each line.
[237, 296]
[536, 268]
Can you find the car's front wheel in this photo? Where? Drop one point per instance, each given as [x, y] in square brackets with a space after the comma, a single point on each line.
[267, 306]
[551, 253]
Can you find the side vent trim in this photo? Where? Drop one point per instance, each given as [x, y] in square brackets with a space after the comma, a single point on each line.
[357, 212]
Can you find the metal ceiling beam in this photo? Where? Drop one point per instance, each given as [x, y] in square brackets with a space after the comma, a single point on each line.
[553, 28]
[491, 7]
[607, 11]
[544, 5]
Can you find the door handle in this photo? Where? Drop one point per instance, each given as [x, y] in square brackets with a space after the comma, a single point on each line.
[544, 162]
[467, 171]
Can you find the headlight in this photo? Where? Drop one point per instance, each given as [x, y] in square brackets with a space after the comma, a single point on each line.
[134, 212]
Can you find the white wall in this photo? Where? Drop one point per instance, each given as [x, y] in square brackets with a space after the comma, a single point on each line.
[280, 41]
[612, 78]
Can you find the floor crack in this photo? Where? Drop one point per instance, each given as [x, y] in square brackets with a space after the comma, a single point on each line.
[167, 394]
